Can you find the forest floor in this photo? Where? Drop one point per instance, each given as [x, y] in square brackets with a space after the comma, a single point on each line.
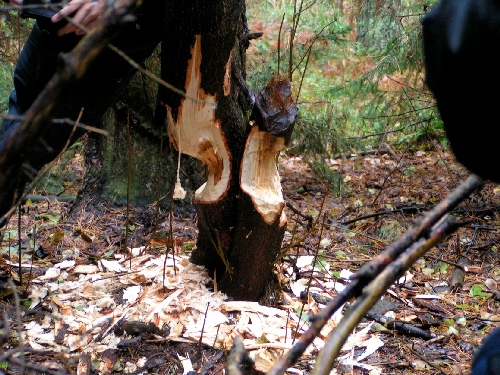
[84, 306]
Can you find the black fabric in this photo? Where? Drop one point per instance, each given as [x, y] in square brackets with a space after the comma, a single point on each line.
[104, 81]
[487, 359]
[42, 11]
[39, 8]
[461, 39]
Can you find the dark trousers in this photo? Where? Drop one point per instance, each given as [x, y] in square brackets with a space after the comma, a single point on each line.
[100, 88]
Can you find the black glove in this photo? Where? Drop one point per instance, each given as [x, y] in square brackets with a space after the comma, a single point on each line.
[42, 11]
[461, 40]
[39, 8]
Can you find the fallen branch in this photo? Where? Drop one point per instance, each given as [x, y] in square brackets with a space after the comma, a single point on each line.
[372, 293]
[403, 327]
[372, 269]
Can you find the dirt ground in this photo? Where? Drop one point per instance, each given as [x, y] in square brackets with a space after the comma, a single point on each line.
[451, 307]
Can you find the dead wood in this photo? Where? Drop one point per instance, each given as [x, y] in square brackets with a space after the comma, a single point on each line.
[371, 270]
[403, 327]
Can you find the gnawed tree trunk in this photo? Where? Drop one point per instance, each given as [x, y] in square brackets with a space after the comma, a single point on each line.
[240, 207]
[135, 138]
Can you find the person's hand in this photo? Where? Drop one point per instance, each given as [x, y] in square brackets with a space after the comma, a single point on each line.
[87, 12]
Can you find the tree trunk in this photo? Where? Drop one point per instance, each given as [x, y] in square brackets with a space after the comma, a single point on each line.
[136, 138]
[240, 207]
[210, 115]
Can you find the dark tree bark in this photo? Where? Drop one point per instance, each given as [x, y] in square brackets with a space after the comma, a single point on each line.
[212, 116]
[240, 208]
[136, 138]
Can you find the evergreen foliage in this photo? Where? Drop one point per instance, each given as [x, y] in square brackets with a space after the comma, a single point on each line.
[356, 67]
[362, 85]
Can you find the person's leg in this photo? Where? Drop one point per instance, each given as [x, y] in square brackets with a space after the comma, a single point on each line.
[102, 85]
[35, 66]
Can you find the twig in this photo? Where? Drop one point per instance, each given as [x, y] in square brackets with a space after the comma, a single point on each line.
[64, 121]
[370, 270]
[436, 339]
[129, 177]
[203, 328]
[456, 265]
[30, 275]
[216, 334]
[238, 358]
[295, 210]
[376, 214]
[50, 198]
[424, 359]
[279, 43]
[158, 191]
[326, 358]
[19, 244]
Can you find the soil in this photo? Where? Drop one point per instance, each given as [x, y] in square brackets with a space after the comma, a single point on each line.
[447, 308]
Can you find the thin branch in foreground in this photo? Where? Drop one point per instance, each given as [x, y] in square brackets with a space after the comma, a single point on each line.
[73, 67]
[64, 121]
[372, 293]
[238, 358]
[370, 270]
[405, 328]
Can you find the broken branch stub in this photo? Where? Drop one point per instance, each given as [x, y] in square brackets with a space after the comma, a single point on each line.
[275, 111]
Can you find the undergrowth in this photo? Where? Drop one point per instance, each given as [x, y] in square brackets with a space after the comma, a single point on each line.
[356, 68]
[357, 71]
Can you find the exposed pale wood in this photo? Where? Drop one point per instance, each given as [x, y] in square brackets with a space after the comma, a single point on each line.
[198, 133]
[259, 174]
